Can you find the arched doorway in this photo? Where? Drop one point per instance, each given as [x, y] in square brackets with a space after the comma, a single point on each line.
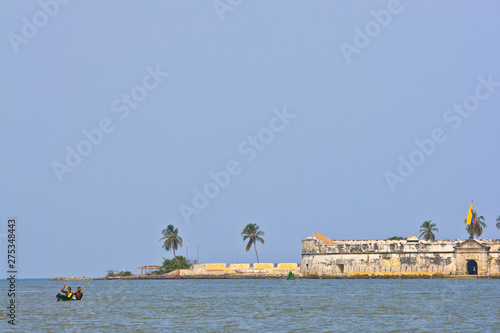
[471, 267]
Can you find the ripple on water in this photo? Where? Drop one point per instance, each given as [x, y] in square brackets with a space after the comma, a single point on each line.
[264, 305]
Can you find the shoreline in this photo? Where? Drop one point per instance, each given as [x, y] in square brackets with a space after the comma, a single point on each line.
[169, 276]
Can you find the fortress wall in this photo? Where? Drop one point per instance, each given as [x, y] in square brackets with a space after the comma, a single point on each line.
[339, 264]
[262, 265]
[239, 266]
[494, 258]
[315, 246]
[382, 257]
[238, 270]
[287, 266]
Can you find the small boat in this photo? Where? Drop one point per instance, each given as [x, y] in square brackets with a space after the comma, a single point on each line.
[62, 297]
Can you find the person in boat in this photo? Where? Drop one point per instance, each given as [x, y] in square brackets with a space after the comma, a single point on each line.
[68, 294]
[78, 294]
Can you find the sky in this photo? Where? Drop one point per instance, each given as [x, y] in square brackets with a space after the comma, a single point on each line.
[353, 119]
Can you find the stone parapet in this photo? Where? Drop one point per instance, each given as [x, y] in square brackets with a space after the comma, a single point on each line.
[236, 271]
[262, 266]
[239, 266]
[412, 257]
[287, 266]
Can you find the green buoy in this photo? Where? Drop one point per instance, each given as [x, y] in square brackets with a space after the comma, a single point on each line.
[290, 276]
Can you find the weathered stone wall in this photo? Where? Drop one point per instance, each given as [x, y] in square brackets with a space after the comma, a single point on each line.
[494, 257]
[413, 258]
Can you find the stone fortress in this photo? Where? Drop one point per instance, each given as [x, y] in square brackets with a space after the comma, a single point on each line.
[325, 258]
[322, 257]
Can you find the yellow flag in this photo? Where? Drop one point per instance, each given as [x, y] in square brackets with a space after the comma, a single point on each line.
[469, 215]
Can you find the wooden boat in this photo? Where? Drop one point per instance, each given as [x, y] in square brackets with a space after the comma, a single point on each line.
[62, 297]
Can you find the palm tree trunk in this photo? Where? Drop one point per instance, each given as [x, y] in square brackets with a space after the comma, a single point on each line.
[178, 263]
[255, 247]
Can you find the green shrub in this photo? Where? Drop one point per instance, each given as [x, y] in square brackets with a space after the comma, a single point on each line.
[170, 265]
[396, 238]
[110, 273]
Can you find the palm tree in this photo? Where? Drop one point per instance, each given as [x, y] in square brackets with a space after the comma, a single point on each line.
[172, 240]
[498, 222]
[477, 228]
[252, 233]
[427, 230]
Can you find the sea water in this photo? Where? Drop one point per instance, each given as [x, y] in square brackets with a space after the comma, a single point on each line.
[302, 305]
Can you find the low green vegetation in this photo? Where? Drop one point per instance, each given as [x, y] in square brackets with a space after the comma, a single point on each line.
[170, 265]
[112, 273]
[396, 238]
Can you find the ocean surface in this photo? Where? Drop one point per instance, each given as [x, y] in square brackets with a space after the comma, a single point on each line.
[258, 305]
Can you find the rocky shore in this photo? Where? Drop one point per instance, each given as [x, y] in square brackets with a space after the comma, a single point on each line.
[69, 279]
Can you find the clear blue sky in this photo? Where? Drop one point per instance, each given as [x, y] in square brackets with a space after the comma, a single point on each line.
[355, 84]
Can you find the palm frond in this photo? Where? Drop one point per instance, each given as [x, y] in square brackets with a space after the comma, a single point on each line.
[476, 229]
[427, 230]
[171, 239]
[252, 233]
